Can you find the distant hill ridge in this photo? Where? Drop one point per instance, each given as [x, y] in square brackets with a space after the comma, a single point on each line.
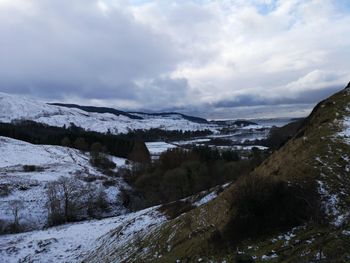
[132, 115]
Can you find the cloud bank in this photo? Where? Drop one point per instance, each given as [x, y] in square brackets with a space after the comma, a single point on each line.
[187, 55]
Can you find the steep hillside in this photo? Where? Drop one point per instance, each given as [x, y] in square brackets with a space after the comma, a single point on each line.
[13, 108]
[313, 170]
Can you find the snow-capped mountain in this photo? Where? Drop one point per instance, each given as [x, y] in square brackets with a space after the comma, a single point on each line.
[14, 108]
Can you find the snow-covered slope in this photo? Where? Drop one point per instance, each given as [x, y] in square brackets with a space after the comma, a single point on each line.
[73, 242]
[20, 108]
[52, 163]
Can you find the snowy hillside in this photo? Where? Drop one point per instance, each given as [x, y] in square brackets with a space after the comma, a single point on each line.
[80, 241]
[19, 108]
[49, 164]
[73, 242]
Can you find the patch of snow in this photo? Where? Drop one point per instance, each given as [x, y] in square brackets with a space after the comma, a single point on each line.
[272, 256]
[156, 148]
[320, 255]
[206, 199]
[194, 141]
[345, 133]
[346, 232]
[250, 147]
[331, 203]
[120, 162]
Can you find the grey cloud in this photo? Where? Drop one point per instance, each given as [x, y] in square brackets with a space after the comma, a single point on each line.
[72, 48]
[303, 97]
[163, 92]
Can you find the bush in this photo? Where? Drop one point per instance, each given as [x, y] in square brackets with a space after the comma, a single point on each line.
[264, 203]
[97, 203]
[81, 144]
[4, 190]
[32, 168]
[175, 184]
[102, 162]
[65, 142]
[174, 209]
[109, 183]
[131, 199]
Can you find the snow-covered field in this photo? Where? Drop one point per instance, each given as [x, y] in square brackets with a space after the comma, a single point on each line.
[74, 242]
[51, 163]
[156, 148]
[19, 108]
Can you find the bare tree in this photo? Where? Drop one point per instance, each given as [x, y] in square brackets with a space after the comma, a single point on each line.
[66, 199]
[16, 206]
[55, 211]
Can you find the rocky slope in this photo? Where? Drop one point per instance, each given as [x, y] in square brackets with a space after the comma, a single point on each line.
[315, 161]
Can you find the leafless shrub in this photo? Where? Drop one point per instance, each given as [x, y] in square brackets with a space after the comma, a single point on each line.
[65, 200]
[15, 207]
[71, 200]
[4, 190]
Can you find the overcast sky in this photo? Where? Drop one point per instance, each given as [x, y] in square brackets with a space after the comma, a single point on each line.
[217, 59]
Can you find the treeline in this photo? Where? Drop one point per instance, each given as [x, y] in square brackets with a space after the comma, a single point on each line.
[156, 134]
[183, 172]
[75, 137]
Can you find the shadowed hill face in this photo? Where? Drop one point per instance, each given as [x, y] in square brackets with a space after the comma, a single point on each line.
[315, 162]
[98, 110]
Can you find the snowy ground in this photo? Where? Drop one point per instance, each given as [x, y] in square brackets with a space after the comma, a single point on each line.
[156, 148]
[20, 108]
[93, 240]
[30, 187]
[73, 242]
[332, 200]
[346, 128]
